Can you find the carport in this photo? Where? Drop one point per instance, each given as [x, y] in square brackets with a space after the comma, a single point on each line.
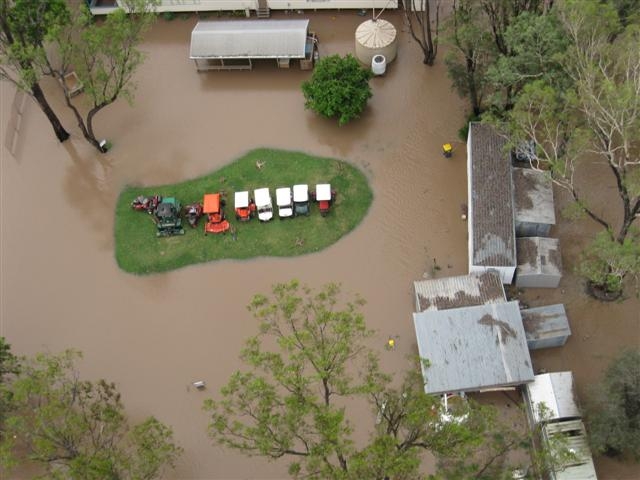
[234, 44]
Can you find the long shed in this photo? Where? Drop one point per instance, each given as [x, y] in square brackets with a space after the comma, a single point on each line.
[491, 213]
[459, 291]
[234, 44]
[473, 348]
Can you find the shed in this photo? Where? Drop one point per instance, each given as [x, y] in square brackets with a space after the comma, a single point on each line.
[582, 468]
[473, 348]
[556, 390]
[546, 327]
[459, 291]
[491, 213]
[539, 262]
[534, 207]
[233, 44]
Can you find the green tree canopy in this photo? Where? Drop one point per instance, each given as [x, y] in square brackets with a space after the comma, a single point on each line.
[613, 409]
[310, 362]
[77, 429]
[338, 88]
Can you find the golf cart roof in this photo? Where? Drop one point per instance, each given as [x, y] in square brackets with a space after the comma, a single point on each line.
[323, 191]
[300, 193]
[241, 199]
[283, 196]
[262, 197]
[211, 203]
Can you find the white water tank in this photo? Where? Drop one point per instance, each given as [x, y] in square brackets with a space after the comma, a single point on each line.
[376, 37]
[378, 64]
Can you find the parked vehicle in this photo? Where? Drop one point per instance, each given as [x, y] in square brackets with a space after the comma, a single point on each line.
[264, 206]
[146, 204]
[213, 208]
[284, 200]
[244, 206]
[301, 199]
[325, 198]
[192, 213]
[167, 215]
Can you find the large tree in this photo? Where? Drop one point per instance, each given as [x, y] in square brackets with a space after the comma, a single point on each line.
[77, 429]
[424, 24]
[594, 118]
[105, 56]
[307, 367]
[26, 25]
[613, 408]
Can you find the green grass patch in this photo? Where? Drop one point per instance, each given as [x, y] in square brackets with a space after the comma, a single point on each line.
[138, 250]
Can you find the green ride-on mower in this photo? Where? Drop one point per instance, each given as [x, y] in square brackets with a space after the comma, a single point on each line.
[168, 218]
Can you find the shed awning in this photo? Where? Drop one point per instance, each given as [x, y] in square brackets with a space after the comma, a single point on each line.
[249, 39]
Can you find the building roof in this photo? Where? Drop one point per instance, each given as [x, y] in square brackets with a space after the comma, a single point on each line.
[473, 348]
[546, 321]
[459, 291]
[539, 255]
[582, 467]
[557, 392]
[249, 39]
[491, 199]
[533, 196]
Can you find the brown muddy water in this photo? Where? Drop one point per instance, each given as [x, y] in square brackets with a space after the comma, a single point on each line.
[154, 335]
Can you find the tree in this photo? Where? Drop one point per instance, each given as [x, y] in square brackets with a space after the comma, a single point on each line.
[472, 53]
[424, 31]
[26, 26]
[596, 117]
[77, 429]
[9, 366]
[310, 360]
[339, 87]
[105, 55]
[613, 408]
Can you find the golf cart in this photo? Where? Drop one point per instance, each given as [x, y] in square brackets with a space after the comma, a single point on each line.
[244, 206]
[216, 222]
[263, 204]
[146, 204]
[167, 217]
[301, 199]
[284, 202]
[193, 212]
[325, 197]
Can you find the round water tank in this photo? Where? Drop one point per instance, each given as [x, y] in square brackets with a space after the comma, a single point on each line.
[376, 37]
[378, 64]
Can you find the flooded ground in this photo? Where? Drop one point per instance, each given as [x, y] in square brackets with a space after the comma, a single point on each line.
[154, 335]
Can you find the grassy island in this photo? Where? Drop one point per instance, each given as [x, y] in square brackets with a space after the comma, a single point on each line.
[138, 250]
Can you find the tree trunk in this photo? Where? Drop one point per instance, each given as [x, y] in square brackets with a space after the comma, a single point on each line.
[87, 129]
[58, 129]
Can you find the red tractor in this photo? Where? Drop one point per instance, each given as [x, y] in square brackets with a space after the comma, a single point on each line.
[213, 208]
[192, 213]
[146, 204]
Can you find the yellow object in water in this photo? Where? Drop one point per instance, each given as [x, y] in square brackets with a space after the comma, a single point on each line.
[391, 343]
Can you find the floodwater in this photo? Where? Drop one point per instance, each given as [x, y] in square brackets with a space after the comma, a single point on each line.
[155, 335]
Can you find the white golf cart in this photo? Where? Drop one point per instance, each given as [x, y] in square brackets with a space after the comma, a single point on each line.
[284, 202]
[301, 199]
[263, 204]
[244, 206]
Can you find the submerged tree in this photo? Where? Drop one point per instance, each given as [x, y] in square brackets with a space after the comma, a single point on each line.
[77, 429]
[105, 56]
[613, 409]
[338, 88]
[309, 361]
[423, 26]
[26, 26]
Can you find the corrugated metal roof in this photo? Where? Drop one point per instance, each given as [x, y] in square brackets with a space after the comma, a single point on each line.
[533, 194]
[557, 392]
[546, 321]
[249, 39]
[576, 436]
[491, 202]
[459, 291]
[539, 255]
[473, 348]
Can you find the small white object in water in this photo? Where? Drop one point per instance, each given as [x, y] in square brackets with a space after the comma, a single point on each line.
[199, 384]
